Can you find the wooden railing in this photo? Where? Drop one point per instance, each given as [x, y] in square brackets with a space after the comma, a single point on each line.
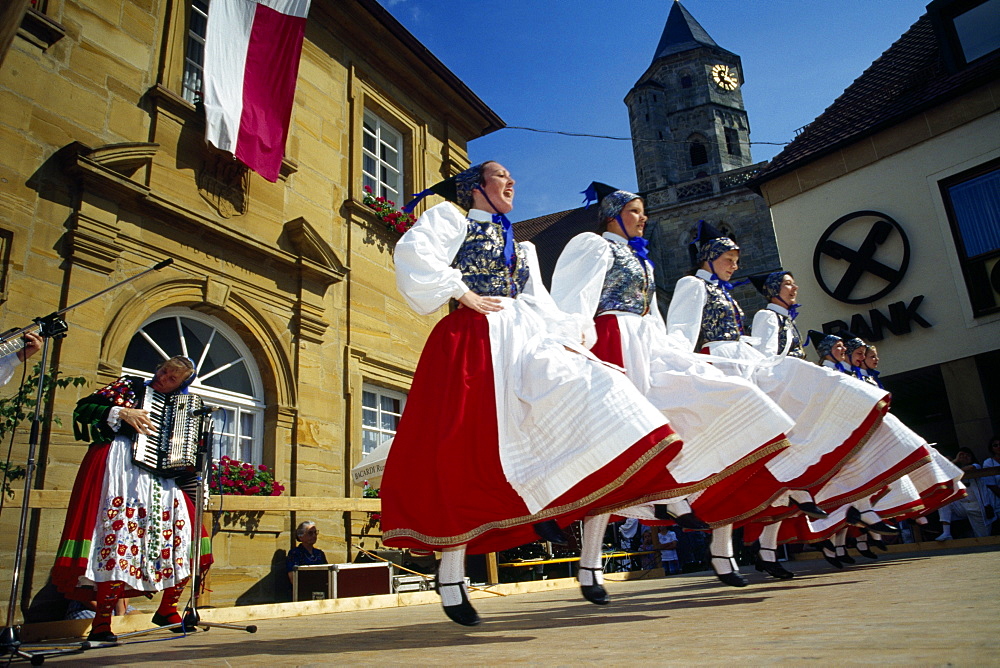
[55, 499]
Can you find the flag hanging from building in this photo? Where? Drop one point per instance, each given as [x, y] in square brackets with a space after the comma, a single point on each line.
[252, 50]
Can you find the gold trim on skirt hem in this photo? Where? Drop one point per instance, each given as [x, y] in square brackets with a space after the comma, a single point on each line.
[752, 458]
[545, 513]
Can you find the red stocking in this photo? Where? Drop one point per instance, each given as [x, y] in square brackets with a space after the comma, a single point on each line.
[108, 594]
[167, 612]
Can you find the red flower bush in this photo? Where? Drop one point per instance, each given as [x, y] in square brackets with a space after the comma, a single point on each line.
[231, 476]
[386, 211]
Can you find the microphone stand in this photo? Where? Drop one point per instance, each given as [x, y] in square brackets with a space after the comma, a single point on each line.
[191, 617]
[50, 326]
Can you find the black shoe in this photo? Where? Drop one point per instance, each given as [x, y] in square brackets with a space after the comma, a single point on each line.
[810, 509]
[879, 543]
[691, 522]
[827, 546]
[463, 613]
[549, 531]
[868, 554]
[160, 620]
[733, 578]
[688, 521]
[856, 517]
[844, 558]
[773, 568]
[594, 593]
[102, 636]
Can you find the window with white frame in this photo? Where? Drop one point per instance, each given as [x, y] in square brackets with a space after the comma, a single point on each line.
[194, 51]
[382, 158]
[227, 375]
[380, 411]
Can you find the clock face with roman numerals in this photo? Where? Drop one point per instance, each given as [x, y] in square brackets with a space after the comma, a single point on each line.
[725, 77]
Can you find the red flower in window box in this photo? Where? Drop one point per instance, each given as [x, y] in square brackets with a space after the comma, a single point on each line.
[385, 210]
[231, 476]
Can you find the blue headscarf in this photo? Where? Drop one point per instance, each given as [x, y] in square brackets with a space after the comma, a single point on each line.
[611, 207]
[772, 290]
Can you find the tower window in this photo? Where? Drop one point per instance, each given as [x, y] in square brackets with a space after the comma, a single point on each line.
[733, 142]
[685, 81]
[699, 154]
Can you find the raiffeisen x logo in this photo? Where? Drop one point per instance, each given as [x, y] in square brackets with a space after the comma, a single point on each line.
[883, 252]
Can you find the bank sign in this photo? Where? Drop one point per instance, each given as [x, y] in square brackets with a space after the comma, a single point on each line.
[861, 258]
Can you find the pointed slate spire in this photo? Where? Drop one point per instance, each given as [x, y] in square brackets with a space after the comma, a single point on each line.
[682, 33]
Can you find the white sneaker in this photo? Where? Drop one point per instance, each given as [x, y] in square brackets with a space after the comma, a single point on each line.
[945, 536]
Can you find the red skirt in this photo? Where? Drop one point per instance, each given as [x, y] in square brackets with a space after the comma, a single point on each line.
[444, 484]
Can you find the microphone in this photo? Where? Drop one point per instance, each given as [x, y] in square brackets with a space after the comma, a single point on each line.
[206, 410]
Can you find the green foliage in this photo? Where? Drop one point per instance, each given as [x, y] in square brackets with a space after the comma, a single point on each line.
[18, 409]
[11, 473]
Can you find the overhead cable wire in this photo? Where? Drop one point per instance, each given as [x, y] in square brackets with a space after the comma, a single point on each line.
[593, 136]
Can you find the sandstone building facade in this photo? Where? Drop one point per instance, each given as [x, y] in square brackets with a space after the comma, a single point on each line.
[283, 292]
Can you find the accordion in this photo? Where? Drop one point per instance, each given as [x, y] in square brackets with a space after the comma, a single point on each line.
[172, 450]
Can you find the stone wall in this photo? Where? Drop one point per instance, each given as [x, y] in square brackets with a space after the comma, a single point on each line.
[104, 172]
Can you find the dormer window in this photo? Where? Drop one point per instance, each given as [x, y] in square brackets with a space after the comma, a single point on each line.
[968, 29]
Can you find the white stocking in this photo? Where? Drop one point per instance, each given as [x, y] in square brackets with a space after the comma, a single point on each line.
[862, 542]
[721, 549]
[590, 552]
[451, 570]
[679, 507]
[769, 541]
[863, 504]
[800, 495]
[839, 540]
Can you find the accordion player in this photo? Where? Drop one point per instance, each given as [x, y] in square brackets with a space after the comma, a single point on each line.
[171, 450]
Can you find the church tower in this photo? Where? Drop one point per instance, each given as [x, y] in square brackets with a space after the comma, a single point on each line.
[691, 139]
[686, 111]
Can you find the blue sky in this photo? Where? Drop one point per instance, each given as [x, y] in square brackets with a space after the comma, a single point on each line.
[568, 64]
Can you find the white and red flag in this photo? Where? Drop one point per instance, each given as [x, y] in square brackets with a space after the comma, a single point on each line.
[252, 50]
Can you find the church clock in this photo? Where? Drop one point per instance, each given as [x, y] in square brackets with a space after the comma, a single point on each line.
[725, 77]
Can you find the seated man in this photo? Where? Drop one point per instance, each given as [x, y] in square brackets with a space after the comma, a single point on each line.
[305, 553]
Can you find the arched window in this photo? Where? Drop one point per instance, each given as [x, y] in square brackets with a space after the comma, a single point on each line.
[699, 153]
[227, 374]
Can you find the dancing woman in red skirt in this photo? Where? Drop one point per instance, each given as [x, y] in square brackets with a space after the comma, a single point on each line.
[512, 428]
[730, 428]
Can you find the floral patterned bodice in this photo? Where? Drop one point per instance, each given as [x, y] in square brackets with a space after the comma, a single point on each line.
[480, 259]
[628, 285]
[787, 326]
[868, 379]
[722, 317]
